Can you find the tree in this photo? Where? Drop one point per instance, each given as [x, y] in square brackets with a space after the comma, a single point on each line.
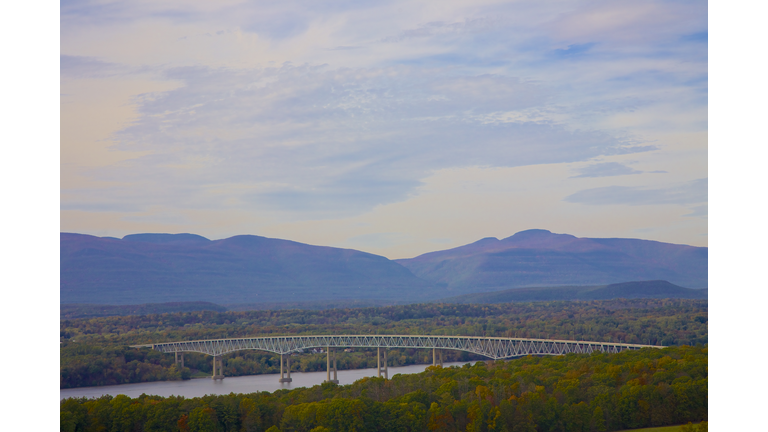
[203, 419]
[598, 420]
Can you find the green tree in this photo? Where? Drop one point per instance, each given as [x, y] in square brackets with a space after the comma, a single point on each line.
[203, 419]
[73, 415]
[598, 420]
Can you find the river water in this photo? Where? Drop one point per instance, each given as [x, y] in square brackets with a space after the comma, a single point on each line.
[243, 384]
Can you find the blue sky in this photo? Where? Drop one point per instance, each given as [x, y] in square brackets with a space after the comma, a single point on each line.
[396, 128]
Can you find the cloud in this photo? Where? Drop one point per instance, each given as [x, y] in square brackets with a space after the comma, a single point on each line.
[605, 169]
[117, 12]
[331, 142]
[89, 67]
[372, 98]
[573, 50]
[694, 192]
[344, 48]
[281, 24]
[440, 28]
[701, 211]
[624, 23]
[99, 206]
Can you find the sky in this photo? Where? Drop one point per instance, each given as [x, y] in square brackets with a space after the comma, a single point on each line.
[396, 128]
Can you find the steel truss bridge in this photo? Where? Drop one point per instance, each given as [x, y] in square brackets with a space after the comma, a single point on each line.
[492, 347]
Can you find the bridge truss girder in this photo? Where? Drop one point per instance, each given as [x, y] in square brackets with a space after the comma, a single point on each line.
[492, 347]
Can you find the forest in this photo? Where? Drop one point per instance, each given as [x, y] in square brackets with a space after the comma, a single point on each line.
[94, 351]
[576, 392]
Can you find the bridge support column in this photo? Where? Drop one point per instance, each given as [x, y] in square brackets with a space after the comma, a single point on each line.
[335, 374]
[283, 379]
[328, 379]
[378, 363]
[218, 366]
[181, 363]
[386, 365]
[437, 357]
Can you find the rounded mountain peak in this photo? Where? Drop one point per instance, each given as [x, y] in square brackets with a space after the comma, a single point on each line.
[538, 237]
[166, 238]
[532, 232]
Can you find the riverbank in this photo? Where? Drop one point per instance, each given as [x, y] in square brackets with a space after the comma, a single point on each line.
[243, 384]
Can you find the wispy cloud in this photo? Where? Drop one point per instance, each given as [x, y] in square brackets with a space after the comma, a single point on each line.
[701, 211]
[606, 169]
[336, 142]
[440, 28]
[344, 48]
[693, 192]
[89, 67]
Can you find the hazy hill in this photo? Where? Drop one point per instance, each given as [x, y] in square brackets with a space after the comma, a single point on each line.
[627, 290]
[541, 258]
[79, 310]
[155, 268]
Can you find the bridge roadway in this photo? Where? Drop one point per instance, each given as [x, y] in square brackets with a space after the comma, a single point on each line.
[492, 347]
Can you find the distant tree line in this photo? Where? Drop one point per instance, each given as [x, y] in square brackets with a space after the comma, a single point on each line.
[80, 310]
[595, 393]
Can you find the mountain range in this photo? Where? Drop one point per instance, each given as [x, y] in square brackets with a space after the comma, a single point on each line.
[247, 269]
[541, 258]
[149, 268]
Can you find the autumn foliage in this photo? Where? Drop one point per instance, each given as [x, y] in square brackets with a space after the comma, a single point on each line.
[598, 392]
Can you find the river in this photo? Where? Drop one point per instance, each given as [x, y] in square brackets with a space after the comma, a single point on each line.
[243, 384]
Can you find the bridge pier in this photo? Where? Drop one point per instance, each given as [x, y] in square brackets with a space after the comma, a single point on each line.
[283, 379]
[437, 357]
[217, 363]
[378, 363]
[177, 359]
[335, 379]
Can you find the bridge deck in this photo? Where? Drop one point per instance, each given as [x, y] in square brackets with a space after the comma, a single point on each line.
[492, 347]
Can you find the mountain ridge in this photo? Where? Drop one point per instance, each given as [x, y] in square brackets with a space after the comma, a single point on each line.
[242, 268]
[249, 269]
[539, 258]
